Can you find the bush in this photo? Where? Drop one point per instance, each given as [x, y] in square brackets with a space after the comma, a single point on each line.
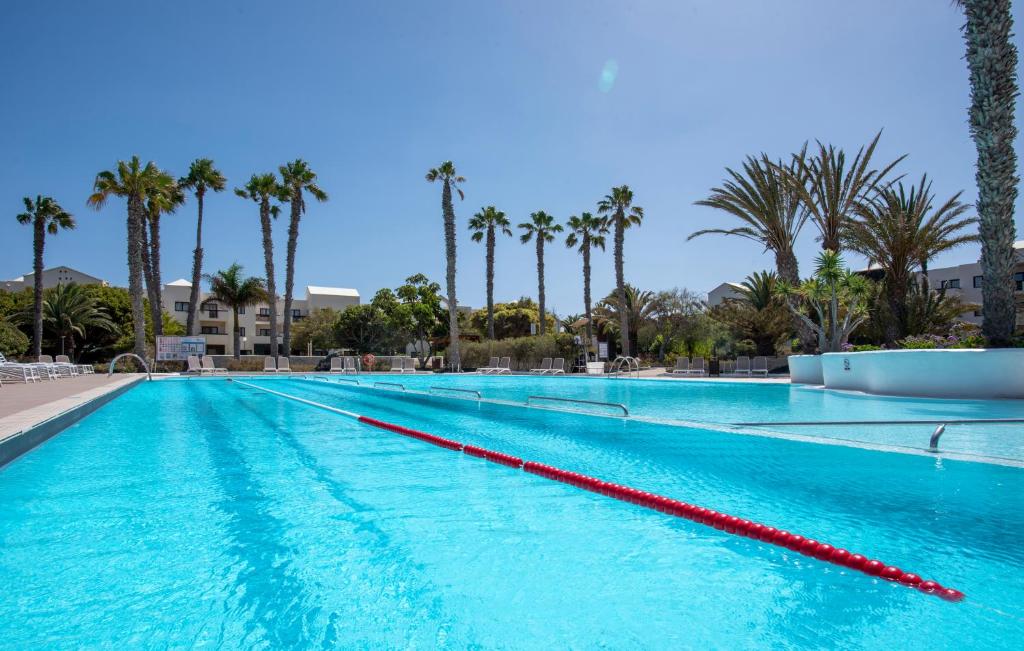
[13, 342]
[526, 352]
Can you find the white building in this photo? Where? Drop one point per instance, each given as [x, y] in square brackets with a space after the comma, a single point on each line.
[51, 278]
[726, 290]
[216, 322]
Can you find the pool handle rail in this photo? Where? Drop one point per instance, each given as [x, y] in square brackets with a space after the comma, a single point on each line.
[470, 391]
[615, 405]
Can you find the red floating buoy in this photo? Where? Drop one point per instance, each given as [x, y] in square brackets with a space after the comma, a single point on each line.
[795, 542]
[873, 567]
[908, 578]
[929, 586]
[857, 562]
[840, 556]
[891, 573]
[824, 552]
[808, 547]
[949, 594]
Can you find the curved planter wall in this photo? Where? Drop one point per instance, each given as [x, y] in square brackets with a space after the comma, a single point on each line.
[959, 373]
[805, 369]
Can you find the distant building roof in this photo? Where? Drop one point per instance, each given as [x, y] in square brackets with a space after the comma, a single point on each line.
[331, 291]
[181, 282]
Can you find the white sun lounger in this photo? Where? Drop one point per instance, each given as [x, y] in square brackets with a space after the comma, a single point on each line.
[269, 364]
[51, 370]
[742, 365]
[545, 366]
[682, 366]
[697, 367]
[337, 365]
[760, 366]
[283, 365]
[210, 367]
[193, 365]
[350, 365]
[504, 366]
[491, 367]
[14, 371]
[397, 365]
[81, 368]
[409, 365]
[557, 367]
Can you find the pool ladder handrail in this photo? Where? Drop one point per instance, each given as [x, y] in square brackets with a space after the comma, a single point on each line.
[110, 368]
[389, 384]
[471, 391]
[616, 405]
[631, 364]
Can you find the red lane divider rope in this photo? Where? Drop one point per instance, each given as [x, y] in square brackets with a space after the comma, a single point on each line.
[721, 521]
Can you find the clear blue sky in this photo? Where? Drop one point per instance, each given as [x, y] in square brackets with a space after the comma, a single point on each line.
[373, 95]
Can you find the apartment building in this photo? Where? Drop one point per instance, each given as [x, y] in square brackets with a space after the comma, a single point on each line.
[216, 321]
[51, 278]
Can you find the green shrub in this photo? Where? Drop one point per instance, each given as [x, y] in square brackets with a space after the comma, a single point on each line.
[526, 352]
[13, 342]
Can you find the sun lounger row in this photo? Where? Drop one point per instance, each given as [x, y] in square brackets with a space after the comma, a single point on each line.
[549, 367]
[403, 364]
[344, 365]
[696, 367]
[497, 366]
[203, 366]
[43, 369]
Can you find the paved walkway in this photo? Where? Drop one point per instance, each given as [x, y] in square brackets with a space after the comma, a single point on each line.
[25, 405]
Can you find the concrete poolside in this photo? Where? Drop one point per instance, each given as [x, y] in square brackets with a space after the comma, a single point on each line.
[23, 406]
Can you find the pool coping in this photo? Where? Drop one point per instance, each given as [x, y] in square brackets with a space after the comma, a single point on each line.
[25, 430]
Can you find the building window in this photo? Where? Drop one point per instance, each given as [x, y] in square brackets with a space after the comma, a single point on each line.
[213, 314]
[952, 283]
[180, 306]
[241, 309]
[209, 330]
[977, 281]
[264, 311]
[241, 331]
[1018, 281]
[296, 314]
[977, 313]
[263, 332]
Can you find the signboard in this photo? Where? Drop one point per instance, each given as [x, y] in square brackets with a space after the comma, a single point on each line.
[177, 349]
[602, 350]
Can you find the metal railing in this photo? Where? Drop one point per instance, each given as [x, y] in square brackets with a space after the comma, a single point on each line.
[345, 379]
[627, 364]
[110, 369]
[470, 391]
[377, 385]
[614, 405]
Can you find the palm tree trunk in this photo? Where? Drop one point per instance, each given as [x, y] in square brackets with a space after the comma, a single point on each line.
[540, 282]
[449, 244]
[154, 245]
[925, 283]
[586, 288]
[788, 268]
[136, 231]
[268, 261]
[992, 61]
[490, 282]
[289, 270]
[238, 335]
[620, 281]
[191, 323]
[147, 273]
[39, 240]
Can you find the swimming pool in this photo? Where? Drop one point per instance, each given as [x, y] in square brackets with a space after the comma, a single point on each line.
[205, 512]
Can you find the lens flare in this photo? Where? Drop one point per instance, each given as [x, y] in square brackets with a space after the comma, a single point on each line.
[608, 75]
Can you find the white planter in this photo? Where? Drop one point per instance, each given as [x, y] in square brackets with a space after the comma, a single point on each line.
[805, 369]
[950, 373]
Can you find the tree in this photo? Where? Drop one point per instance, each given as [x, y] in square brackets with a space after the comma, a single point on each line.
[618, 206]
[758, 315]
[45, 216]
[640, 309]
[900, 230]
[485, 224]
[838, 297]
[541, 228]
[446, 174]
[830, 191]
[231, 287]
[163, 198]
[586, 232]
[297, 179]
[260, 189]
[423, 299]
[134, 182]
[68, 311]
[992, 62]
[363, 328]
[511, 320]
[13, 341]
[317, 330]
[202, 177]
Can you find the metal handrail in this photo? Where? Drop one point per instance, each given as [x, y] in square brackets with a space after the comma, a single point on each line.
[389, 384]
[344, 379]
[110, 369]
[472, 391]
[617, 405]
[628, 361]
[933, 443]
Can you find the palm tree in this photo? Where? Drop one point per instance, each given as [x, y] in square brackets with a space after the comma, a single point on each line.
[233, 289]
[830, 191]
[485, 224]
[133, 181]
[900, 230]
[202, 176]
[541, 228]
[296, 178]
[68, 310]
[641, 306]
[164, 197]
[46, 216]
[618, 206]
[446, 174]
[260, 189]
[586, 232]
[992, 61]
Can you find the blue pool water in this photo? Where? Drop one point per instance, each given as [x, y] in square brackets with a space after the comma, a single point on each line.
[204, 513]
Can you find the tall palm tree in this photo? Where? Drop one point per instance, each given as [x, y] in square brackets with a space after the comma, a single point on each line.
[45, 216]
[449, 178]
[202, 176]
[296, 178]
[992, 61]
[486, 224]
[261, 189]
[618, 206]
[134, 182]
[541, 228]
[164, 198]
[586, 232]
[641, 305]
[900, 230]
[68, 310]
[830, 191]
[231, 287]
[765, 197]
